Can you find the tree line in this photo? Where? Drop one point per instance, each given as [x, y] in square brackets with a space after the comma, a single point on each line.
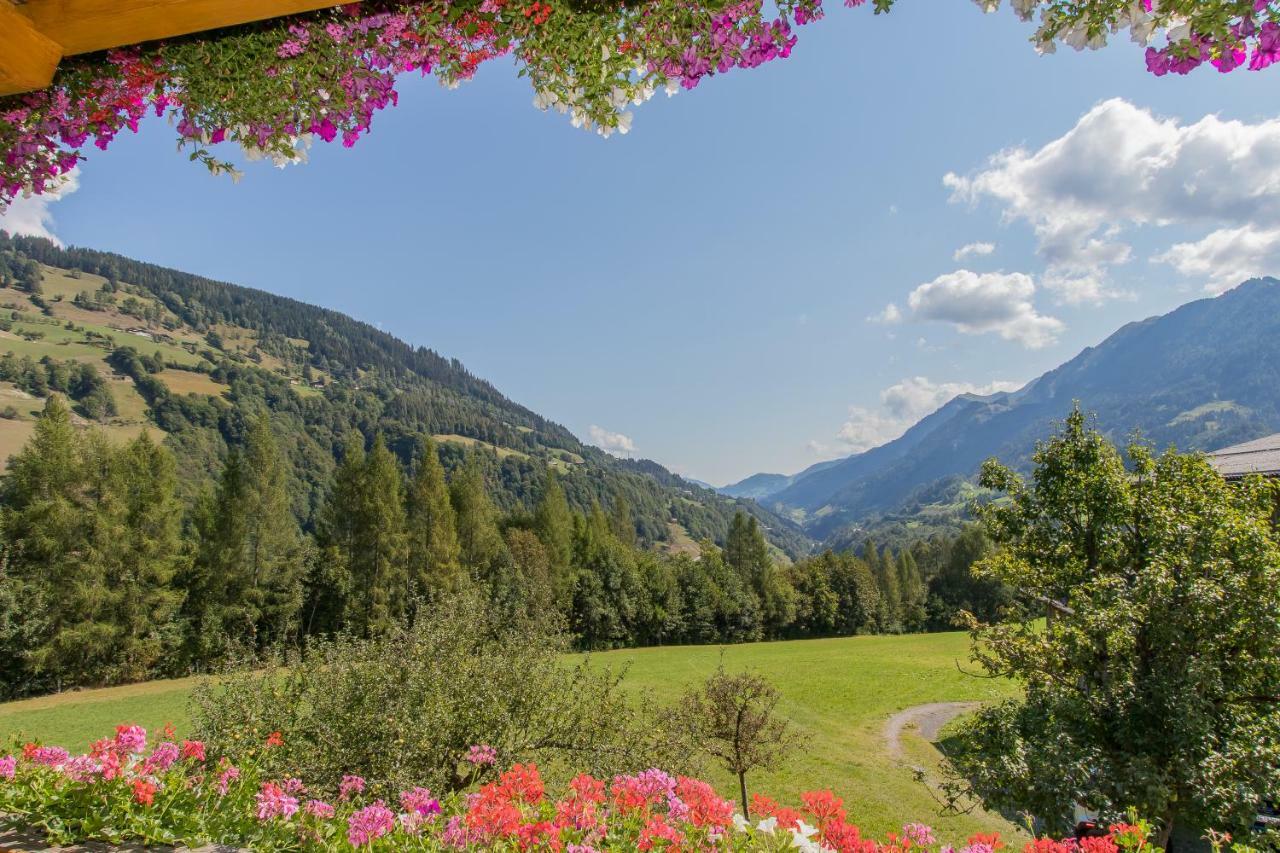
[111, 575]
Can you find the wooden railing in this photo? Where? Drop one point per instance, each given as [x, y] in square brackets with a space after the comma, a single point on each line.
[36, 34]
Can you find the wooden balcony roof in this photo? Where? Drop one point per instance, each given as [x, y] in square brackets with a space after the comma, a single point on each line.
[36, 34]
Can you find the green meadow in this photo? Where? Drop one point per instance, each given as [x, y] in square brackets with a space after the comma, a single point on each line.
[839, 693]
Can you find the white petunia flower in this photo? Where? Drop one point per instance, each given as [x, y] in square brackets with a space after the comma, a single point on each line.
[802, 838]
[768, 825]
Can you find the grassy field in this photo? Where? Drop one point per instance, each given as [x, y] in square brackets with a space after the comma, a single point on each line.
[838, 692]
[190, 382]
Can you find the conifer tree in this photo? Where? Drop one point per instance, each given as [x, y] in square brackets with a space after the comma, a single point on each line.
[434, 566]
[273, 548]
[553, 522]
[338, 538]
[747, 554]
[478, 536]
[608, 593]
[95, 546]
[151, 556]
[46, 522]
[380, 576]
[621, 521]
[246, 586]
[912, 590]
[889, 615]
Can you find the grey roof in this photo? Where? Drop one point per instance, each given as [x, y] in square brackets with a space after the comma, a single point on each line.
[1261, 456]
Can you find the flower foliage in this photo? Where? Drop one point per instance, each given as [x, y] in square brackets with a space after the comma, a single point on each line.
[121, 792]
[275, 87]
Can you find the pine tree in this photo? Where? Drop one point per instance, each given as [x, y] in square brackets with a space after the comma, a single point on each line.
[153, 554]
[434, 566]
[889, 615]
[273, 545]
[553, 522]
[245, 589]
[621, 521]
[381, 574]
[608, 592]
[95, 545]
[338, 537]
[746, 553]
[477, 519]
[912, 590]
[46, 532]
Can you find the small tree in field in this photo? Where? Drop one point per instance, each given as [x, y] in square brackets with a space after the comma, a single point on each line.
[1154, 681]
[732, 718]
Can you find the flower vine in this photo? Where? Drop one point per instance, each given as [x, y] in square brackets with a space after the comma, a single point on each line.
[277, 86]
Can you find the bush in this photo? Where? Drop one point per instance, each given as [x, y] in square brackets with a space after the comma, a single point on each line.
[406, 708]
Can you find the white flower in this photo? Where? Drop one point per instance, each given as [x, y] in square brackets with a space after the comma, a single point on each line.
[543, 99]
[740, 823]
[1077, 37]
[768, 825]
[802, 838]
[624, 123]
[1182, 32]
[988, 5]
[673, 86]
[1141, 28]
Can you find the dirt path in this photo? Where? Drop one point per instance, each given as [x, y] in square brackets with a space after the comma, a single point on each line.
[928, 720]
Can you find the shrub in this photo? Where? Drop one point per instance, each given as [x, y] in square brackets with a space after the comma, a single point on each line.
[407, 707]
[733, 719]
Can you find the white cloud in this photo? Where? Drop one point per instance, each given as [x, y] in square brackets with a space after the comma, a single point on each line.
[31, 215]
[974, 249]
[1227, 256]
[1121, 167]
[1089, 288]
[979, 303]
[901, 406]
[612, 442]
[888, 317]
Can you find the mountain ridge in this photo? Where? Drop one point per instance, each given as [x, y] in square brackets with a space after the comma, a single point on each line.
[1200, 376]
[196, 358]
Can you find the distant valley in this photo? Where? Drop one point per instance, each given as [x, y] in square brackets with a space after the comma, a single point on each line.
[1200, 377]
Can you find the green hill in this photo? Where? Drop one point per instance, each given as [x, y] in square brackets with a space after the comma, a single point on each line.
[194, 359]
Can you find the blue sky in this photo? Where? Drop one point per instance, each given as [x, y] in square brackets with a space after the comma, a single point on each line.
[713, 287]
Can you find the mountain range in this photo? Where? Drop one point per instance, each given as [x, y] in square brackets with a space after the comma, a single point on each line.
[1201, 377]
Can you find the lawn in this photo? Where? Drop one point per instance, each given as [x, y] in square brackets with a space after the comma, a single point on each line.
[838, 692]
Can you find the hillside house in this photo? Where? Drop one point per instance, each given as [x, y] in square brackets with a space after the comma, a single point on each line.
[1260, 456]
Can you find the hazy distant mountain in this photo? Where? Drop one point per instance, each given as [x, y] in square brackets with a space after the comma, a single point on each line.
[757, 486]
[1203, 376]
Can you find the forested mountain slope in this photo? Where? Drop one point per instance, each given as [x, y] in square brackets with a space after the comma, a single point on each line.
[140, 346]
[1200, 377]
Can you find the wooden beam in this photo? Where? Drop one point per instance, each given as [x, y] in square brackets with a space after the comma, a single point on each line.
[85, 26]
[27, 58]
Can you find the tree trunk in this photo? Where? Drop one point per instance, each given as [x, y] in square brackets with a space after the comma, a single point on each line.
[1165, 836]
[742, 788]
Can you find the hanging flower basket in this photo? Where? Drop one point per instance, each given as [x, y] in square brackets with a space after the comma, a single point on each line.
[276, 86]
